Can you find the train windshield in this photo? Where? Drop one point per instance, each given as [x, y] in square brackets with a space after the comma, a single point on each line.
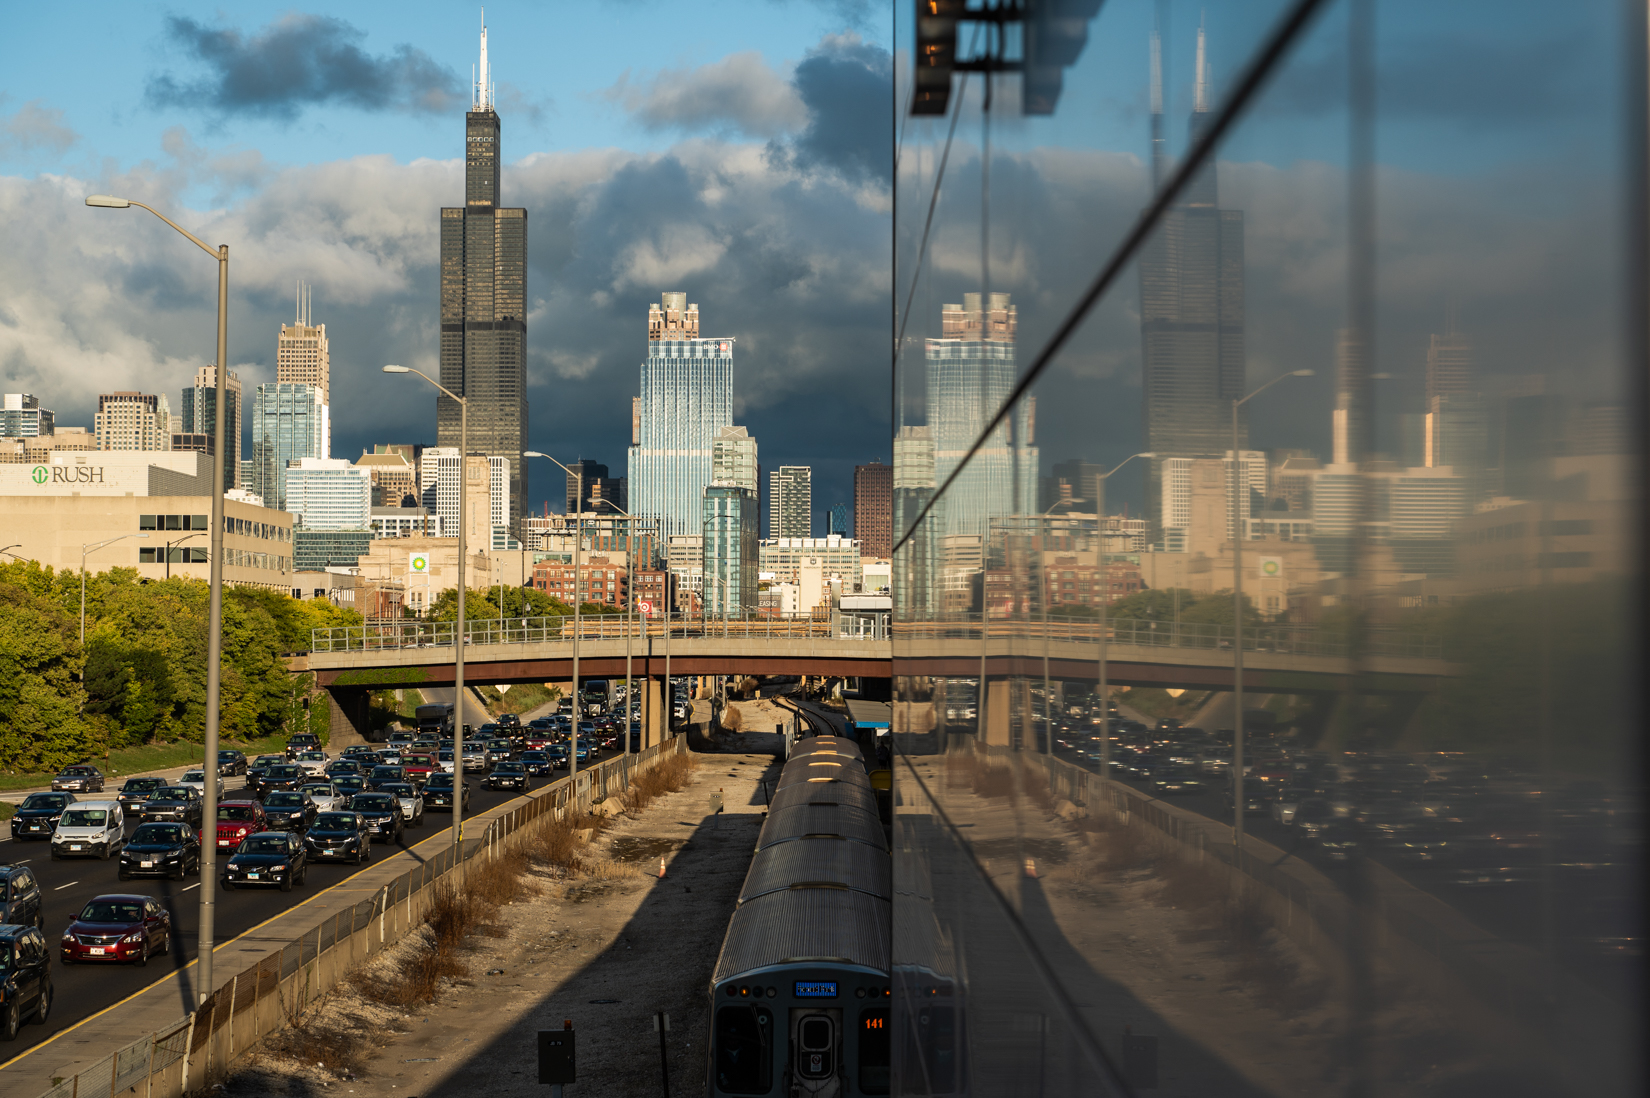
[743, 1040]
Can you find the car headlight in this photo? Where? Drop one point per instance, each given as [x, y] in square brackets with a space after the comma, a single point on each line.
[133, 938]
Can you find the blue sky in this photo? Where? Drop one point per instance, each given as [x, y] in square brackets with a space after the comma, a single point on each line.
[737, 151]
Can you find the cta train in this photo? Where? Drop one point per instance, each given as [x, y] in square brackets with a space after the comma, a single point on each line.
[801, 994]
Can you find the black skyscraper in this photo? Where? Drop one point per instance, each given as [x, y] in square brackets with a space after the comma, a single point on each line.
[484, 304]
[1191, 315]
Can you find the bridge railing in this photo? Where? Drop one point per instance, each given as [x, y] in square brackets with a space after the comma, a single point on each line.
[394, 635]
[1285, 639]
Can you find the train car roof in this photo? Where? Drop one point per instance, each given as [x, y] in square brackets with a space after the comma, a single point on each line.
[806, 820]
[832, 792]
[811, 863]
[825, 769]
[807, 925]
[840, 745]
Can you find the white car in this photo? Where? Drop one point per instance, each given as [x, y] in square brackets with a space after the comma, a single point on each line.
[196, 779]
[325, 795]
[412, 802]
[95, 828]
[312, 763]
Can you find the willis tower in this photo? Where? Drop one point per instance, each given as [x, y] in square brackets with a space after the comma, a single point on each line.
[484, 303]
[1191, 310]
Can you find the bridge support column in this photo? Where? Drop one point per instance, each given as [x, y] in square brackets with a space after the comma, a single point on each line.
[349, 718]
[997, 711]
[656, 727]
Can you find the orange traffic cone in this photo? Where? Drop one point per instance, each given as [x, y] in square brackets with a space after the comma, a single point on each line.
[661, 867]
[1031, 868]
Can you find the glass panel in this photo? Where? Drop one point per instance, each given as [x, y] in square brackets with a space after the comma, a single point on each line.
[1265, 665]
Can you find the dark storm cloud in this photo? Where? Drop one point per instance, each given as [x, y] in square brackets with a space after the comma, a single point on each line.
[846, 86]
[300, 60]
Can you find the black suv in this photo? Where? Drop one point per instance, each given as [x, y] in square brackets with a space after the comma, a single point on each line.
[20, 897]
[161, 850]
[37, 816]
[303, 741]
[25, 978]
[177, 803]
[382, 813]
[231, 763]
[138, 790]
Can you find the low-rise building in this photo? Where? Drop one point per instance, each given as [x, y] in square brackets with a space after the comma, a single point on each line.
[600, 579]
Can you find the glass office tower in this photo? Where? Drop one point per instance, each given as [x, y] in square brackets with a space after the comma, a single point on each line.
[289, 421]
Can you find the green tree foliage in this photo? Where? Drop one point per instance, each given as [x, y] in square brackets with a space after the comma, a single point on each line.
[519, 602]
[1159, 605]
[41, 726]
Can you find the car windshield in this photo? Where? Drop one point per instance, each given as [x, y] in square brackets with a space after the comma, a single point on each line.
[112, 911]
[169, 834]
[440, 781]
[533, 756]
[172, 793]
[53, 801]
[84, 817]
[368, 802]
[278, 773]
[507, 768]
[350, 782]
[228, 756]
[318, 790]
[269, 760]
[265, 844]
[134, 784]
[401, 789]
[284, 800]
[242, 813]
[194, 776]
[335, 821]
[77, 771]
[386, 771]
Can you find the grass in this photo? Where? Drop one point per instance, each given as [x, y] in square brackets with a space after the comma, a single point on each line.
[125, 761]
[7, 810]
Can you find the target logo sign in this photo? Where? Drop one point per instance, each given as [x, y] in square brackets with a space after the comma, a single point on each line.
[645, 606]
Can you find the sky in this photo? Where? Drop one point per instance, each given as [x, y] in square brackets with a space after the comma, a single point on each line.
[740, 151]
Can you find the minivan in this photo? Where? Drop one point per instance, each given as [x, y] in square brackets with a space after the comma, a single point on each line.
[96, 828]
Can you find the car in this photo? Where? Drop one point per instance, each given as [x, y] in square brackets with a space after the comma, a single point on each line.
[507, 775]
[348, 785]
[176, 803]
[37, 816]
[438, 793]
[267, 857]
[161, 850]
[137, 790]
[260, 765]
[340, 836]
[559, 754]
[339, 767]
[1288, 802]
[1257, 798]
[312, 763]
[25, 978]
[237, 820]
[419, 766]
[284, 776]
[475, 757]
[444, 760]
[231, 763]
[118, 927]
[400, 739]
[1172, 780]
[78, 779]
[324, 794]
[509, 721]
[301, 742]
[587, 750]
[197, 778]
[382, 811]
[412, 801]
[383, 774]
[95, 828]
[289, 810]
[20, 898]
[537, 763]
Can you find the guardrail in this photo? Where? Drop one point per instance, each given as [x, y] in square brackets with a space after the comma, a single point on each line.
[385, 636]
[1290, 640]
[188, 1054]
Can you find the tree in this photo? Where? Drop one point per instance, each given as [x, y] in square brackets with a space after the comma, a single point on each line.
[41, 727]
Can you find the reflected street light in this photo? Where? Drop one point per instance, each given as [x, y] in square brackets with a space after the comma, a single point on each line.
[1105, 606]
[578, 606]
[214, 626]
[1238, 532]
[459, 625]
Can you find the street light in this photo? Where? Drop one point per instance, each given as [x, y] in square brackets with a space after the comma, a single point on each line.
[458, 629]
[1105, 605]
[1237, 615]
[214, 627]
[86, 550]
[169, 545]
[578, 605]
[630, 605]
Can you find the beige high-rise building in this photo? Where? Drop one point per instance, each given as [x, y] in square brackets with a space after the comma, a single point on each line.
[303, 356]
[133, 421]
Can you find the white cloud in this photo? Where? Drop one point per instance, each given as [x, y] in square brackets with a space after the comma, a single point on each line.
[34, 126]
[739, 93]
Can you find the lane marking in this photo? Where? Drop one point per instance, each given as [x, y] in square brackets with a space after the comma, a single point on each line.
[444, 833]
[60, 888]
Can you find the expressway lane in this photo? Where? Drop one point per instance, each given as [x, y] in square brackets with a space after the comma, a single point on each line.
[84, 990]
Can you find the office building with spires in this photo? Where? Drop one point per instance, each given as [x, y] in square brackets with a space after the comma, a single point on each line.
[1191, 309]
[686, 398]
[484, 304]
[303, 356]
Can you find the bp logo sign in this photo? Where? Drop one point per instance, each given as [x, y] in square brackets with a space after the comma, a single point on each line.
[419, 564]
[41, 474]
[1271, 566]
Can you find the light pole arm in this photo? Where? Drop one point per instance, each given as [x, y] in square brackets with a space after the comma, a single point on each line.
[211, 251]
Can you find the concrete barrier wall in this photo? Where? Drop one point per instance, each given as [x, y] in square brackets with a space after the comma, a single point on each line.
[197, 1049]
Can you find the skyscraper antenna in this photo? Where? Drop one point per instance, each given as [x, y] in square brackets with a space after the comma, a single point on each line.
[1200, 90]
[1157, 98]
[484, 76]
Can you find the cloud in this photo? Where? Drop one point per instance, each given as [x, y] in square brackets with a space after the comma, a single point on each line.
[297, 61]
[739, 94]
[34, 126]
[847, 86]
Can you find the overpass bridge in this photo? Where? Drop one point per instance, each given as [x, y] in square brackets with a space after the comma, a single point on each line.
[1285, 659]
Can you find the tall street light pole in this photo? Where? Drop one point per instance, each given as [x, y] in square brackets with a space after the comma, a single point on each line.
[214, 626]
[86, 550]
[630, 605]
[578, 605]
[169, 545]
[1237, 615]
[1105, 606]
[458, 629]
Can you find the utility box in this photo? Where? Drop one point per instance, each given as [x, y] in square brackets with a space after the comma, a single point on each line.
[1140, 1060]
[556, 1056]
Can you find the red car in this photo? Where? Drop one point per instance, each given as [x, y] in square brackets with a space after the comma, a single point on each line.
[237, 820]
[118, 928]
[419, 767]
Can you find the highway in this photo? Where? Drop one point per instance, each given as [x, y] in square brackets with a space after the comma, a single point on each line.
[84, 990]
